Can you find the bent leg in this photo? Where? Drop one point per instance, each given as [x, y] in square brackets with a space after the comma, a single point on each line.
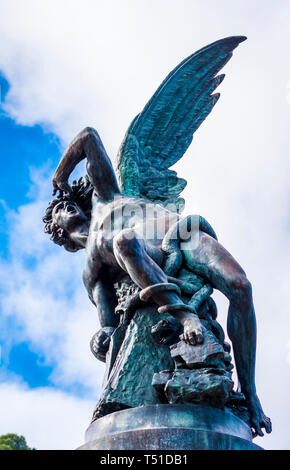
[211, 260]
[130, 252]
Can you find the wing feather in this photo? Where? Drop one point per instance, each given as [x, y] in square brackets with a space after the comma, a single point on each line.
[159, 136]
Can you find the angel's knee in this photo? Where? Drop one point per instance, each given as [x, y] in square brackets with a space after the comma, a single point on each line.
[127, 244]
[88, 132]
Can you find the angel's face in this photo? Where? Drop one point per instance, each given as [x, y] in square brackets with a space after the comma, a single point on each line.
[68, 215]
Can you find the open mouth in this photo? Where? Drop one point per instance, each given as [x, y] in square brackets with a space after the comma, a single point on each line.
[67, 207]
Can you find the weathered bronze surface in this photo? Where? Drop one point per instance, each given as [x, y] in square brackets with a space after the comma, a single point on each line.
[151, 272]
[176, 427]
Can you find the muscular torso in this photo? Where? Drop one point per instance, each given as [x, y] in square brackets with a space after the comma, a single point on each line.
[150, 221]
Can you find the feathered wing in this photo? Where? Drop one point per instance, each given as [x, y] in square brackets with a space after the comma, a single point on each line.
[159, 136]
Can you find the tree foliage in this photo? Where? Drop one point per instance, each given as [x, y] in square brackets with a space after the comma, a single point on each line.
[13, 442]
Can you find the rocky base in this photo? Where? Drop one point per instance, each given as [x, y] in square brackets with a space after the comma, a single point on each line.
[201, 374]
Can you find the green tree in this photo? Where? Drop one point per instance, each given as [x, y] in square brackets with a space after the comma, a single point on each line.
[13, 442]
[5, 447]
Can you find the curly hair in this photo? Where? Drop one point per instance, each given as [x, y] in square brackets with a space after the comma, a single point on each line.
[82, 196]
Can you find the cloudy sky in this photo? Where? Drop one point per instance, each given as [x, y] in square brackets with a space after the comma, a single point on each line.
[66, 64]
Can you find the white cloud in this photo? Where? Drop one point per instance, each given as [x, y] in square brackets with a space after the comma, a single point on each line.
[72, 64]
[47, 418]
[43, 291]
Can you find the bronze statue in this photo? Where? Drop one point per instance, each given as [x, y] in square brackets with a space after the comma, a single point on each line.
[131, 224]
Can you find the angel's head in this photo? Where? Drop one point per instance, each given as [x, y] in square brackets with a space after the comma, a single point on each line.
[67, 217]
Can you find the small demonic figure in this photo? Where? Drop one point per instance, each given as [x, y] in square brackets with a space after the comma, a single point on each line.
[130, 225]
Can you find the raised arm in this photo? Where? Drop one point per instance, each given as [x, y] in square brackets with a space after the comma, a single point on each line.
[87, 145]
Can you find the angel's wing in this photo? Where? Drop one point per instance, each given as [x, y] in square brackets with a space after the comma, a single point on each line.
[159, 136]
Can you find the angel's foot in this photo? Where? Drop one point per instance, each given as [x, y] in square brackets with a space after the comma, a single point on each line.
[193, 330]
[258, 418]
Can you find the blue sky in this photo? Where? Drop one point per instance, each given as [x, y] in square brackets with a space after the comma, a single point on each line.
[21, 147]
[25, 150]
[60, 73]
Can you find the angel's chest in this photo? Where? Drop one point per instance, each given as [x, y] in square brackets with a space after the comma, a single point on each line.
[100, 247]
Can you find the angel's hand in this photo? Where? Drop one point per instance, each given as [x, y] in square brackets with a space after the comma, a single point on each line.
[62, 186]
[100, 342]
[258, 418]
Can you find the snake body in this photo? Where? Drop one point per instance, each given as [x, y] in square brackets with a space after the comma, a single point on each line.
[174, 236]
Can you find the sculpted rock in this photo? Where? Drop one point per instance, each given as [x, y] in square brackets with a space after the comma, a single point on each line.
[198, 386]
[129, 383]
[159, 382]
[167, 331]
[237, 404]
[160, 379]
[208, 354]
[202, 374]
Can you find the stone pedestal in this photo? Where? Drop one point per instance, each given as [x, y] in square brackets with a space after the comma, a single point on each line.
[174, 427]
